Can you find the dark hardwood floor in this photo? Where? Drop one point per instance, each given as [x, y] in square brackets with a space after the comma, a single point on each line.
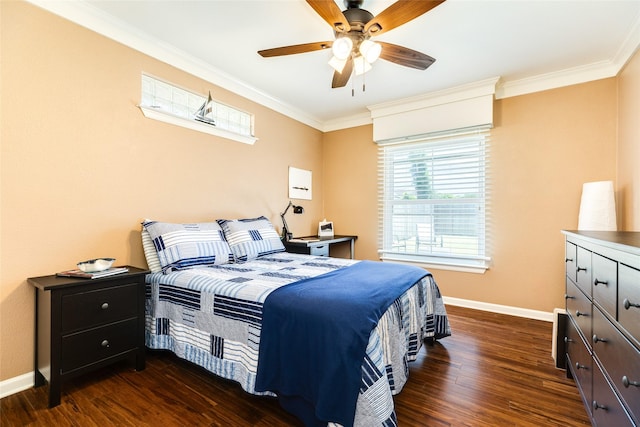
[495, 370]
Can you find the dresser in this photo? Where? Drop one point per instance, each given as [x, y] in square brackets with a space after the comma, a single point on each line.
[85, 324]
[602, 337]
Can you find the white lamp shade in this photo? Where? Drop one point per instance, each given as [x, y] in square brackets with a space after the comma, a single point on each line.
[597, 207]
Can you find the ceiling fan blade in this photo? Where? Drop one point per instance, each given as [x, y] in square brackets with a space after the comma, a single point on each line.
[341, 79]
[404, 56]
[330, 12]
[294, 49]
[397, 14]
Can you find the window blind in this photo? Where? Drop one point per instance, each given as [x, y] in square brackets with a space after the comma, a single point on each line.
[433, 198]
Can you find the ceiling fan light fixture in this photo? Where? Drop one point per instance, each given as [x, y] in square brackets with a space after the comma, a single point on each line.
[342, 47]
[337, 64]
[360, 65]
[370, 50]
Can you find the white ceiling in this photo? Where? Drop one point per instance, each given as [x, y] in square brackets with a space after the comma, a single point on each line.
[530, 44]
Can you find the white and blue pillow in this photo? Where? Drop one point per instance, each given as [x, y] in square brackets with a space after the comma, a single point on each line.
[183, 246]
[251, 238]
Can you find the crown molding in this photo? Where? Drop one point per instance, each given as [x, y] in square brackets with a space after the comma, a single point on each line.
[85, 15]
[92, 18]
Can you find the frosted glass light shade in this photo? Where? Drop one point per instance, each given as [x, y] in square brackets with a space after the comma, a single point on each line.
[342, 47]
[370, 50]
[337, 64]
[597, 207]
[360, 65]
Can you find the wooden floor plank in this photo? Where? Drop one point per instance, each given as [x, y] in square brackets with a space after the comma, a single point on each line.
[495, 370]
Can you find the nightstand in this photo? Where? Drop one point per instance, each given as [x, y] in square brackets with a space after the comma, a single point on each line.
[85, 324]
[318, 246]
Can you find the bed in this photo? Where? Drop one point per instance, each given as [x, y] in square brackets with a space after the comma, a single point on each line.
[222, 295]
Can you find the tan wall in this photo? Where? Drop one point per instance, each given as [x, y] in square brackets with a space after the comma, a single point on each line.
[544, 146]
[81, 166]
[629, 146]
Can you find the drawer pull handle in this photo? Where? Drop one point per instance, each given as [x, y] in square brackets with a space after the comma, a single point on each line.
[600, 282]
[597, 339]
[579, 366]
[579, 313]
[104, 305]
[105, 343]
[579, 269]
[568, 297]
[568, 260]
[567, 340]
[628, 304]
[626, 382]
[597, 406]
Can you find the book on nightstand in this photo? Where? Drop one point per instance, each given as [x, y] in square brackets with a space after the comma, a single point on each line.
[98, 274]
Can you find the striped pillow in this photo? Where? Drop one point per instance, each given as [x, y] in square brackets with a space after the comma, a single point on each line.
[153, 262]
[251, 238]
[182, 246]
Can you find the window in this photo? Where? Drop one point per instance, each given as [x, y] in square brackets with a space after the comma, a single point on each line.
[433, 197]
[172, 104]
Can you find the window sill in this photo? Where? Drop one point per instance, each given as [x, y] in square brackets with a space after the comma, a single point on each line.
[155, 114]
[477, 267]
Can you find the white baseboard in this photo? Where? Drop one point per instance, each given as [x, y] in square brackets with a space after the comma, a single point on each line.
[501, 309]
[25, 381]
[16, 384]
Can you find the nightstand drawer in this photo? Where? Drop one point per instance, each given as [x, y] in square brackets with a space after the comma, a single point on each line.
[84, 348]
[98, 307]
[321, 250]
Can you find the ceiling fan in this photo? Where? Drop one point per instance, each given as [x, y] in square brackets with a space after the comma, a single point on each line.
[353, 49]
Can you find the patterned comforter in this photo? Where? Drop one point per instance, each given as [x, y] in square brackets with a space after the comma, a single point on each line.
[211, 316]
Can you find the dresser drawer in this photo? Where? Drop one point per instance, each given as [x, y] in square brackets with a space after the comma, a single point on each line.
[606, 408]
[579, 362]
[579, 309]
[629, 300]
[84, 348]
[619, 357]
[583, 270]
[605, 282]
[98, 307]
[570, 260]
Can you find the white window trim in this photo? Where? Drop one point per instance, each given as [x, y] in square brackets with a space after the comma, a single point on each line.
[156, 114]
[452, 263]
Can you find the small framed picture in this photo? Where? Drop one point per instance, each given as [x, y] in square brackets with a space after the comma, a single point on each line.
[325, 229]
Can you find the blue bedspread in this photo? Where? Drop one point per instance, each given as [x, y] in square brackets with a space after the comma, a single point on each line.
[315, 332]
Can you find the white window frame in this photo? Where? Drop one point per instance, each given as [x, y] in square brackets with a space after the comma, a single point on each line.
[444, 250]
[172, 104]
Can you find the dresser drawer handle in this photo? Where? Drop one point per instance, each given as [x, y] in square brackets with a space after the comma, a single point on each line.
[626, 382]
[600, 282]
[579, 269]
[105, 343]
[566, 296]
[597, 339]
[104, 305]
[597, 406]
[579, 366]
[567, 340]
[568, 260]
[579, 313]
[627, 304]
